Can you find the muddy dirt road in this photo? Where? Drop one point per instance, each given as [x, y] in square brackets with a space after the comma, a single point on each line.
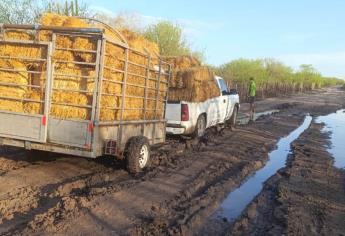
[56, 194]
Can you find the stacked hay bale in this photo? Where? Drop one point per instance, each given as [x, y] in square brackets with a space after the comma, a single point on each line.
[16, 78]
[191, 82]
[15, 74]
[74, 83]
[180, 63]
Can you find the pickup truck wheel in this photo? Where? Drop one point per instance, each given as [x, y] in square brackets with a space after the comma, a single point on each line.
[200, 127]
[137, 154]
[233, 118]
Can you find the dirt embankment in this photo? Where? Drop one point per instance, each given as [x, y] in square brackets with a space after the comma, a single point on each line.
[189, 179]
[305, 198]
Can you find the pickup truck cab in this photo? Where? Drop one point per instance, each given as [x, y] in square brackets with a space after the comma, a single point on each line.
[190, 118]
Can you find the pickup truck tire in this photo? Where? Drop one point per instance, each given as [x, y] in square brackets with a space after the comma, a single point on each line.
[200, 127]
[233, 118]
[137, 154]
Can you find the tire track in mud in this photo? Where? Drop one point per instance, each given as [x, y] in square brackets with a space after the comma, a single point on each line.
[62, 200]
[54, 202]
[199, 191]
[305, 198]
[11, 159]
[235, 156]
[189, 208]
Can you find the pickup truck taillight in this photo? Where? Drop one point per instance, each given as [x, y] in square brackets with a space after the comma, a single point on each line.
[184, 112]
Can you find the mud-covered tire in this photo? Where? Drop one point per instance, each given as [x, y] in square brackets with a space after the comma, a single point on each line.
[137, 154]
[233, 118]
[200, 127]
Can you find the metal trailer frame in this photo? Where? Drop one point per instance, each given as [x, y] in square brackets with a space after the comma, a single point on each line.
[88, 138]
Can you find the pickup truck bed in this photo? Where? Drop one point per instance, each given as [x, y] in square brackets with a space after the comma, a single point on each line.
[184, 117]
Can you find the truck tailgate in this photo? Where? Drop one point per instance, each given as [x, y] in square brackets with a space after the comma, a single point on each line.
[173, 113]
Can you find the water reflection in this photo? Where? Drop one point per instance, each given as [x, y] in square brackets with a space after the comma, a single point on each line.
[237, 200]
[335, 123]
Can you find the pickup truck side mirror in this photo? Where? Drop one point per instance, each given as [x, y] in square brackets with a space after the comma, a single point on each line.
[233, 92]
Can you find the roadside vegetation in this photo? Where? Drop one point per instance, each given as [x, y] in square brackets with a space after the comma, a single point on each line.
[273, 78]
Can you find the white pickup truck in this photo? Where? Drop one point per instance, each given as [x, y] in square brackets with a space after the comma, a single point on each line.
[190, 118]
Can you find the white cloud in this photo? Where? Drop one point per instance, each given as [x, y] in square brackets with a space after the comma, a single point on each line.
[329, 64]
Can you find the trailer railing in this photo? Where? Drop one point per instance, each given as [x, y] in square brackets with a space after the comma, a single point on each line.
[149, 74]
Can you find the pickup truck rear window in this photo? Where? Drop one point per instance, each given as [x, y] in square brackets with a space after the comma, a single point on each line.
[223, 86]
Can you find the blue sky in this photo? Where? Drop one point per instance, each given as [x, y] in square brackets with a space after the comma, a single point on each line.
[295, 32]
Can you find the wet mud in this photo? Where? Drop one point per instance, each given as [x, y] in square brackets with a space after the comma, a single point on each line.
[54, 194]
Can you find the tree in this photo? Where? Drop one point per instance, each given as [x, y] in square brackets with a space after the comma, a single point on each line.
[277, 70]
[169, 37]
[30, 11]
[68, 8]
[241, 70]
[19, 11]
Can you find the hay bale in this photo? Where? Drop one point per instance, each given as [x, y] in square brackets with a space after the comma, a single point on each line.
[114, 59]
[18, 34]
[198, 85]
[18, 78]
[187, 77]
[180, 63]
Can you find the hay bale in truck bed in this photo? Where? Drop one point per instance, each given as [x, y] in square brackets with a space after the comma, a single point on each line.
[198, 85]
[180, 63]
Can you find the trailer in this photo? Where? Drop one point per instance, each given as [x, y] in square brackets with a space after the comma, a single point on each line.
[92, 137]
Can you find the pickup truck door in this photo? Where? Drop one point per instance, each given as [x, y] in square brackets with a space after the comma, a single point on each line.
[225, 103]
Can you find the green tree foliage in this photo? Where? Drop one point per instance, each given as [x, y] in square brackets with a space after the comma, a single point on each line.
[68, 8]
[169, 37]
[29, 11]
[19, 11]
[272, 77]
[270, 71]
[241, 70]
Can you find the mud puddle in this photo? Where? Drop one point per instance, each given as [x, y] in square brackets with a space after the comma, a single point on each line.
[335, 124]
[236, 202]
[243, 119]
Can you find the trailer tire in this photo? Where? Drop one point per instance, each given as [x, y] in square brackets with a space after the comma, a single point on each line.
[233, 118]
[200, 127]
[137, 154]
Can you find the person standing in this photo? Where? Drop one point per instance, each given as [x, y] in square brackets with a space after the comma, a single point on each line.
[251, 96]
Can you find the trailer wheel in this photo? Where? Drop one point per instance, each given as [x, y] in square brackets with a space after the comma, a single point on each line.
[200, 127]
[233, 117]
[137, 154]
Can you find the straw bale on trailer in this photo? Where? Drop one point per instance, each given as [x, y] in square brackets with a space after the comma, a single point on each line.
[18, 34]
[197, 85]
[17, 78]
[70, 76]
